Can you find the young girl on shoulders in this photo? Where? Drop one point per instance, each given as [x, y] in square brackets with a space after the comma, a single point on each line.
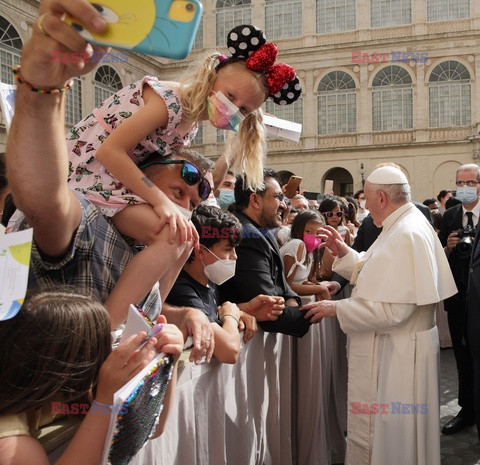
[156, 116]
[301, 254]
[54, 351]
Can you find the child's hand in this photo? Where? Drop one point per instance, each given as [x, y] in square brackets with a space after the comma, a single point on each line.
[248, 324]
[229, 308]
[169, 213]
[123, 364]
[169, 339]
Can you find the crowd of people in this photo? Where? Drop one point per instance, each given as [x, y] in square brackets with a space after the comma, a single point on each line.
[123, 212]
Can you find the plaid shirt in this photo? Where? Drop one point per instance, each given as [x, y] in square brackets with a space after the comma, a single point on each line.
[95, 260]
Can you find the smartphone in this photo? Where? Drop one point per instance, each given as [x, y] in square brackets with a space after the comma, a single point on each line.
[328, 188]
[292, 186]
[312, 195]
[165, 28]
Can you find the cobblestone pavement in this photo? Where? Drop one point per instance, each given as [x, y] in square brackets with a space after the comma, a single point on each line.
[462, 448]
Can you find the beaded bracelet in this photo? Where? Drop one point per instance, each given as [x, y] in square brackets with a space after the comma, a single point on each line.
[101, 404]
[20, 80]
[229, 314]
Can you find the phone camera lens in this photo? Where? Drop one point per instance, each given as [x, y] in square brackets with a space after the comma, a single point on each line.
[77, 27]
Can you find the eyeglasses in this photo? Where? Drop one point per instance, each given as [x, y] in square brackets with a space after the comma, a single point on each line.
[330, 214]
[190, 174]
[467, 183]
[279, 197]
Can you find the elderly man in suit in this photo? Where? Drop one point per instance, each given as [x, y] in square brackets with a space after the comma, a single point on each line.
[473, 323]
[455, 219]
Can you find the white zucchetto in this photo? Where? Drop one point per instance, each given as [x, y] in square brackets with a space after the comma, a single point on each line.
[387, 175]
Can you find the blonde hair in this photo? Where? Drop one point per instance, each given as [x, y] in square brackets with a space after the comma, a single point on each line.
[246, 152]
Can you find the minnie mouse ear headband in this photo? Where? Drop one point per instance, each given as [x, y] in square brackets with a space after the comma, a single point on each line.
[249, 43]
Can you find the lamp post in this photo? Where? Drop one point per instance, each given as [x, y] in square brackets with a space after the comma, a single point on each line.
[362, 172]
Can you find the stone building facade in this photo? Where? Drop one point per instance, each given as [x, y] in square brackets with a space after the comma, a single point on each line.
[383, 80]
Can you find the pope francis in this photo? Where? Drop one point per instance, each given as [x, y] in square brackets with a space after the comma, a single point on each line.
[393, 354]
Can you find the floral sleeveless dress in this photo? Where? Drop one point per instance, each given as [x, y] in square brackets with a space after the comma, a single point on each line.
[88, 175]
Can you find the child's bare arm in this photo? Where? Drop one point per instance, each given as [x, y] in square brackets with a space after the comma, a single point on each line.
[141, 273]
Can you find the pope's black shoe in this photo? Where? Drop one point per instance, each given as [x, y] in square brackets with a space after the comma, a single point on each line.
[456, 424]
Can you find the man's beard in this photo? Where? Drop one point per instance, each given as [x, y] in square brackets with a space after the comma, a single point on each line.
[269, 221]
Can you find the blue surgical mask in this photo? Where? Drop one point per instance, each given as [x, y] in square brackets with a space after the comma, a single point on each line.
[226, 197]
[466, 194]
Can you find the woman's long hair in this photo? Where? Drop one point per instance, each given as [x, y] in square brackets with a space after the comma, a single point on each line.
[298, 227]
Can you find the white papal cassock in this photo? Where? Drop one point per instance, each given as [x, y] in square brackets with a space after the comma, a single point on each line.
[393, 342]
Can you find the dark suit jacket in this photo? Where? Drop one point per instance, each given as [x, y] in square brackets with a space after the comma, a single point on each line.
[366, 235]
[451, 221]
[473, 302]
[259, 270]
[367, 232]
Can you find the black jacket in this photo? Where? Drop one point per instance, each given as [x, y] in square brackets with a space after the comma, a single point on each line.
[259, 270]
[452, 220]
[473, 303]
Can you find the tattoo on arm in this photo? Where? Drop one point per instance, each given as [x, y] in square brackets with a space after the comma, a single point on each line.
[147, 181]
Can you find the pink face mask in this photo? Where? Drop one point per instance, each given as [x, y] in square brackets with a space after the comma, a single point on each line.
[311, 242]
[222, 113]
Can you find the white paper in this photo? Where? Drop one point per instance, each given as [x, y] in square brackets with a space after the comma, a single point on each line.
[7, 102]
[283, 128]
[135, 323]
[15, 249]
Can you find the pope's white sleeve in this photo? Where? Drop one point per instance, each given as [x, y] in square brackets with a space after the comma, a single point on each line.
[360, 315]
[344, 266]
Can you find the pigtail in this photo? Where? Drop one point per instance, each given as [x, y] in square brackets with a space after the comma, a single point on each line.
[246, 152]
[196, 86]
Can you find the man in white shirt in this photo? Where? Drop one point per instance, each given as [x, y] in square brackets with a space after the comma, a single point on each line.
[393, 397]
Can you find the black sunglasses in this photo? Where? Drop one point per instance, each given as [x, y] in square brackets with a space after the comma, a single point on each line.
[190, 174]
[330, 214]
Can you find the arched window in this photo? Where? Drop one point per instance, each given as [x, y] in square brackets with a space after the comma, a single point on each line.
[107, 81]
[283, 19]
[10, 50]
[449, 95]
[222, 136]
[337, 104]
[392, 101]
[73, 103]
[198, 139]
[447, 10]
[198, 43]
[335, 15]
[292, 112]
[390, 12]
[231, 13]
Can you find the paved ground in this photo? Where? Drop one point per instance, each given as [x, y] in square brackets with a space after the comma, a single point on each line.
[462, 448]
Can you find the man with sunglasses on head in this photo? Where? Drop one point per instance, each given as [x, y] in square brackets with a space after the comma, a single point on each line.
[259, 268]
[74, 243]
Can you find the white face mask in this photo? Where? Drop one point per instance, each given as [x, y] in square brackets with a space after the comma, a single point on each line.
[362, 204]
[211, 201]
[220, 271]
[186, 213]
